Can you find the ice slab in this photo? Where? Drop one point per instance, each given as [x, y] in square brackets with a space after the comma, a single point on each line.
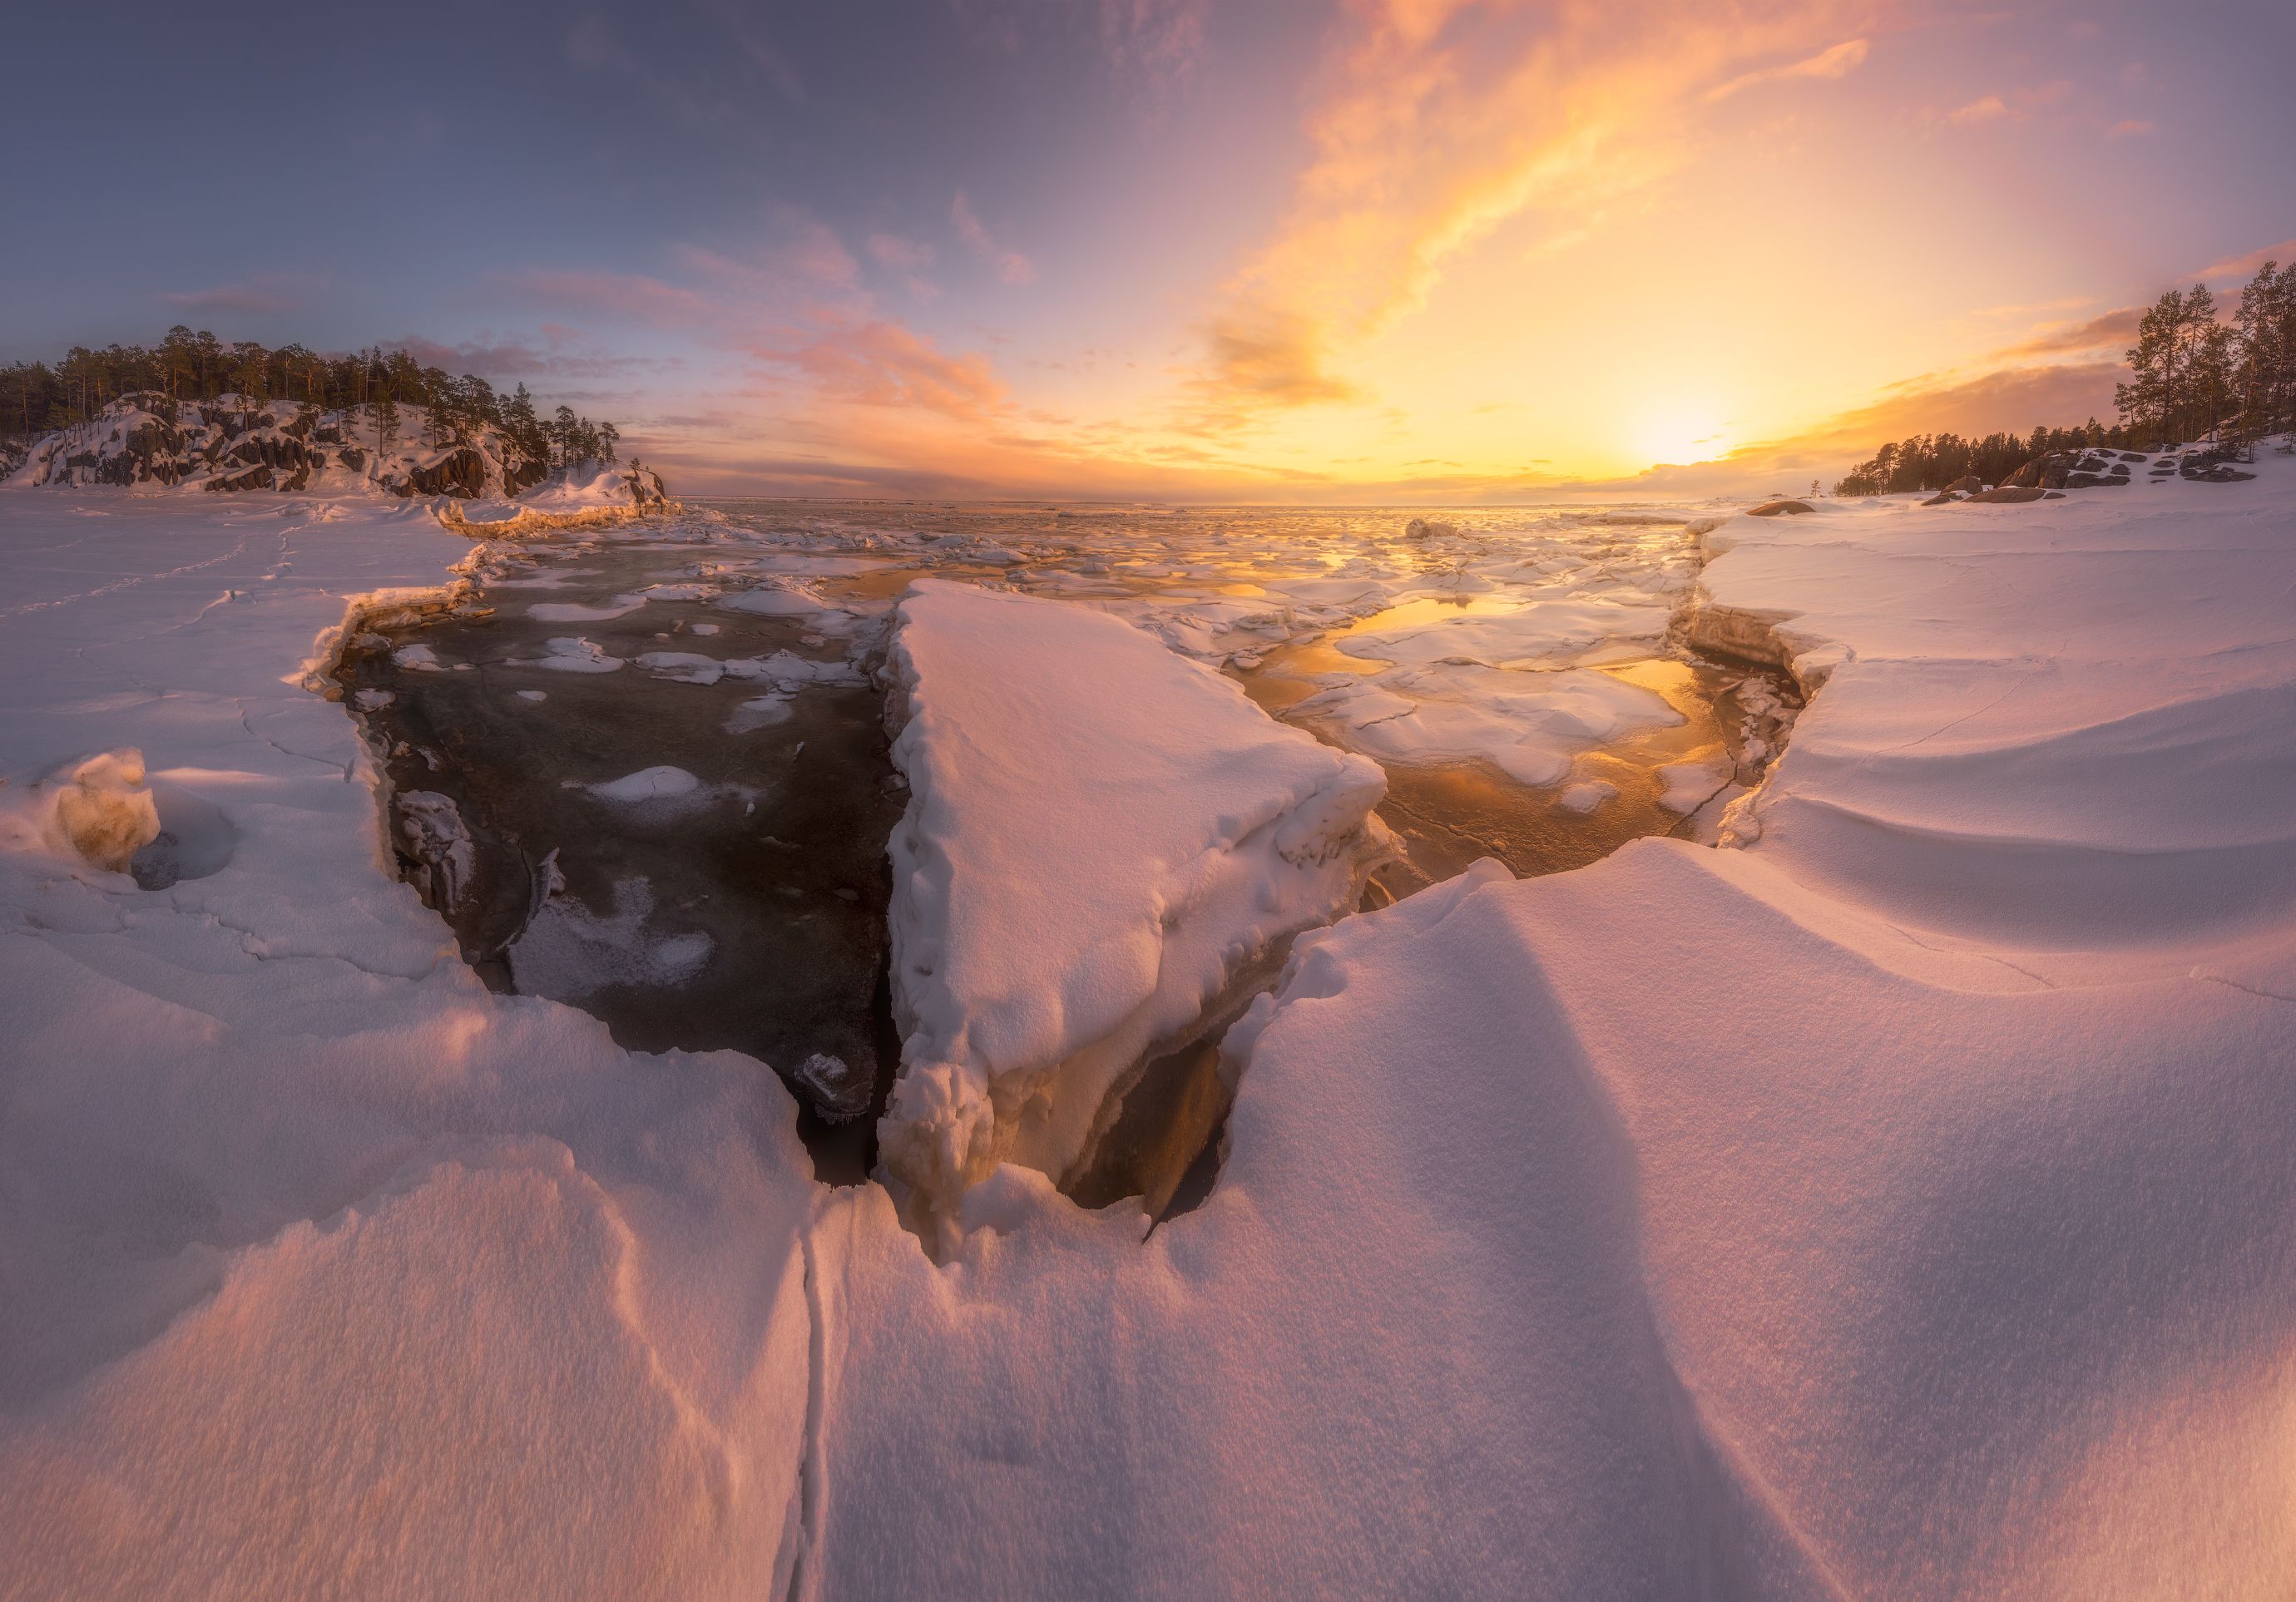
[1099, 834]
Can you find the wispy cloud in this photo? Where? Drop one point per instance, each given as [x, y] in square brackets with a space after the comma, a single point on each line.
[908, 259]
[621, 297]
[592, 46]
[2237, 268]
[516, 359]
[2014, 398]
[2112, 330]
[757, 48]
[2015, 106]
[1010, 266]
[1155, 44]
[264, 295]
[1151, 48]
[878, 362]
[1840, 61]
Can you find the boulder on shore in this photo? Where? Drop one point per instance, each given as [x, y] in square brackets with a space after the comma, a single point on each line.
[1771, 509]
[2009, 495]
[1968, 484]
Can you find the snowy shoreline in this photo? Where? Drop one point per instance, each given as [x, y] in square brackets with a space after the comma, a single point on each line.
[1557, 1250]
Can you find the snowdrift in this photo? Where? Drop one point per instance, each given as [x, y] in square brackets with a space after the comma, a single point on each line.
[1101, 838]
[1897, 1203]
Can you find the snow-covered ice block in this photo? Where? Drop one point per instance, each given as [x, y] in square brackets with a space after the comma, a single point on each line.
[98, 809]
[1101, 836]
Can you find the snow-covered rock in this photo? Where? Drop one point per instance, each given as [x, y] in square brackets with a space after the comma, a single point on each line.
[232, 443]
[1101, 838]
[613, 492]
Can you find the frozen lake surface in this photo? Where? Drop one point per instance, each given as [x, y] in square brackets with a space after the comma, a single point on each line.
[644, 771]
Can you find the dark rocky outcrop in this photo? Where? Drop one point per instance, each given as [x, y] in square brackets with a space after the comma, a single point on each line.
[2009, 495]
[647, 488]
[2071, 470]
[2045, 472]
[1968, 484]
[461, 472]
[1767, 509]
[2209, 466]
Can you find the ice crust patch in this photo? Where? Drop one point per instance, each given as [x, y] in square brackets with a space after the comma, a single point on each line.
[568, 951]
[568, 654]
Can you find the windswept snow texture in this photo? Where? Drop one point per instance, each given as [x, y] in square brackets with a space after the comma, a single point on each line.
[1101, 836]
[322, 1271]
[1899, 1204]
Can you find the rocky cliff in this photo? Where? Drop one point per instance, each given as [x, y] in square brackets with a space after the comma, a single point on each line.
[231, 444]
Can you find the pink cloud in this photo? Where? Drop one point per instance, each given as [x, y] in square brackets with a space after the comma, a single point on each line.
[2245, 267]
[878, 362]
[264, 295]
[627, 296]
[1010, 266]
[892, 250]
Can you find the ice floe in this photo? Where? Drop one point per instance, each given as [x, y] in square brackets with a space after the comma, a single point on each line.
[1100, 836]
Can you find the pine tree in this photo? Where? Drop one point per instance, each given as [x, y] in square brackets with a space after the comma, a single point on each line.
[2148, 399]
[386, 422]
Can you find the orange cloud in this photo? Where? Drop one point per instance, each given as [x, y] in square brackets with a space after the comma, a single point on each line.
[2112, 330]
[1445, 121]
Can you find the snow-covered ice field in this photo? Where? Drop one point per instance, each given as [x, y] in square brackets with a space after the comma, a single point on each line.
[1895, 1201]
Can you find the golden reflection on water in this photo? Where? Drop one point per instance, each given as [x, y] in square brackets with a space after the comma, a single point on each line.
[1448, 813]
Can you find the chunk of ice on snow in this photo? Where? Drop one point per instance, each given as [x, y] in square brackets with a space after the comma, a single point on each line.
[567, 654]
[1689, 785]
[647, 784]
[1586, 796]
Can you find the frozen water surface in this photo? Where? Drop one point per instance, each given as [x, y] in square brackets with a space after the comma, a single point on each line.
[651, 842]
[679, 813]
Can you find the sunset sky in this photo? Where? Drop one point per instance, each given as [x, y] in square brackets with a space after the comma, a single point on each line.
[1209, 249]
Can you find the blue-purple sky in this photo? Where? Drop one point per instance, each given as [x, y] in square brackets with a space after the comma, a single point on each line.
[1247, 248]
